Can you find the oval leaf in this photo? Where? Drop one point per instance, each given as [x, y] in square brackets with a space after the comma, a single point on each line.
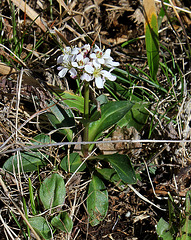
[163, 230]
[122, 165]
[41, 139]
[72, 162]
[52, 191]
[29, 161]
[186, 229]
[63, 222]
[74, 101]
[111, 175]
[62, 119]
[136, 117]
[40, 226]
[97, 201]
[111, 113]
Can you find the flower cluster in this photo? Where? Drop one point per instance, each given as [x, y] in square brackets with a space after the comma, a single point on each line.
[87, 63]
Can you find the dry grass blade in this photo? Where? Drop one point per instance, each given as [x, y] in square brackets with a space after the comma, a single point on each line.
[145, 199]
[172, 5]
[33, 35]
[30, 12]
[18, 209]
[10, 232]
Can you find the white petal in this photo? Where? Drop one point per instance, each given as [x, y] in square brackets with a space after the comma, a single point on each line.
[115, 64]
[73, 73]
[89, 69]
[86, 47]
[111, 63]
[105, 73]
[75, 51]
[63, 72]
[60, 59]
[60, 68]
[71, 58]
[99, 82]
[96, 47]
[96, 64]
[79, 57]
[86, 77]
[74, 64]
[67, 50]
[112, 78]
[100, 60]
[86, 60]
[108, 75]
[107, 53]
[93, 56]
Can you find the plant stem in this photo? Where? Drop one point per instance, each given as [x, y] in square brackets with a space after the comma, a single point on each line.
[86, 118]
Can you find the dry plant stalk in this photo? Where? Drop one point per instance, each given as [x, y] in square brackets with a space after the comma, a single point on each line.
[31, 13]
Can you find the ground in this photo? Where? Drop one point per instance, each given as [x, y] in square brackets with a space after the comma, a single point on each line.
[160, 167]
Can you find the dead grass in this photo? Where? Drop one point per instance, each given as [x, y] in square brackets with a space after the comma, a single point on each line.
[26, 82]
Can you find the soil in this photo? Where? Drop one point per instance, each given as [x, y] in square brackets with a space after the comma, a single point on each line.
[109, 23]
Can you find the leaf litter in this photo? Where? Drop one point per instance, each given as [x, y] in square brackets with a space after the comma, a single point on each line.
[112, 23]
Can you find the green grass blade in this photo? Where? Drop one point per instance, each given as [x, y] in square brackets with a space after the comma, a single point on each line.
[33, 207]
[151, 37]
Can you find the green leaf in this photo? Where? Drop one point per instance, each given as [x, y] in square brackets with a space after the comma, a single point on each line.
[111, 113]
[41, 227]
[52, 191]
[41, 139]
[63, 222]
[129, 42]
[62, 119]
[33, 207]
[110, 175]
[97, 201]
[186, 229]
[122, 165]
[163, 230]
[72, 162]
[102, 99]
[136, 117]
[162, 14]
[29, 161]
[151, 37]
[74, 101]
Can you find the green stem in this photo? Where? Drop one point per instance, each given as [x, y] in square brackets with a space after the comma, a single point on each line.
[86, 118]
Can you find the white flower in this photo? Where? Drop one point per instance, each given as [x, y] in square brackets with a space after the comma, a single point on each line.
[110, 63]
[71, 51]
[102, 58]
[65, 60]
[86, 77]
[87, 64]
[73, 73]
[85, 49]
[99, 74]
[80, 61]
